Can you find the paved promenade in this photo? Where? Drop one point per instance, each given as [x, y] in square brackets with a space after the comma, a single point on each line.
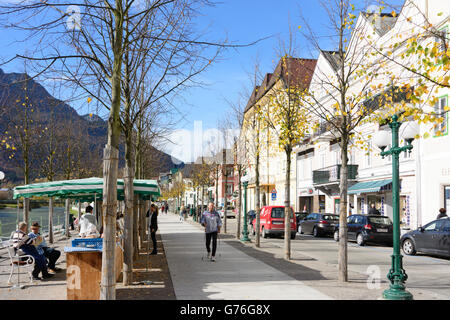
[235, 275]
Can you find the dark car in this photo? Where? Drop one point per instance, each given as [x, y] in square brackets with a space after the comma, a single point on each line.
[367, 228]
[300, 216]
[318, 224]
[433, 238]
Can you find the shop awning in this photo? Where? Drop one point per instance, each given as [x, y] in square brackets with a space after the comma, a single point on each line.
[369, 186]
[85, 189]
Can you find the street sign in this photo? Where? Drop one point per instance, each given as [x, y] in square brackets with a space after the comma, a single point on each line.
[274, 194]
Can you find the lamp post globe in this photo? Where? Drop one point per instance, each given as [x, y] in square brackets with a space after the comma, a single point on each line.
[409, 130]
[382, 139]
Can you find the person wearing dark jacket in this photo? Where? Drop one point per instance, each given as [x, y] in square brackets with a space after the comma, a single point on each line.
[153, 215]
[442, 213]
[374, 210]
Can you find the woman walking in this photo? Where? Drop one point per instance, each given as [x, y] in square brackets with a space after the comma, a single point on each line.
[154, 226]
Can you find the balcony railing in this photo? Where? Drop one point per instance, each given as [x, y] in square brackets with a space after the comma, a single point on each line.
[333, 174]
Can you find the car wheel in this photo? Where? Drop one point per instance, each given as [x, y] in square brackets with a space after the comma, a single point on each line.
[264, 234]
[360, 239]
[292, 235]
[336, 236]
[300, 229]
[408, 247]
[315, 232]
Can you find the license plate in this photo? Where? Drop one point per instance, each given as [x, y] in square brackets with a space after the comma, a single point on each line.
[277, 222]
[382, 230]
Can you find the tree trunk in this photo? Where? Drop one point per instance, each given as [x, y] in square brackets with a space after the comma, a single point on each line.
[128, 226]
[109, 206]
[135, 228]
[287, 208]
[225, 207]
[343, 185]
[50, 220]
[257, 206]
[239, 209]
[141, 223]
[26, 210]
[217, 188]
[67, 230]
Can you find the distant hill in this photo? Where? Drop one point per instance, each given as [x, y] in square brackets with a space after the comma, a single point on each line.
[89, 131]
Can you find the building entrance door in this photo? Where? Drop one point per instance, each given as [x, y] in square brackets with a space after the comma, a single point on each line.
[305, 204]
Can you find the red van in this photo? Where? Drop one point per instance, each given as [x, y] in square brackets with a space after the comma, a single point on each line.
[272, 221]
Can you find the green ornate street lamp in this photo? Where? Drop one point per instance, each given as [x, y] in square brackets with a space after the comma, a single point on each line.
[244, 181]
[397, 275]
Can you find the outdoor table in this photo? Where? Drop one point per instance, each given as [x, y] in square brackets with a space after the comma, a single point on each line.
[84, 269]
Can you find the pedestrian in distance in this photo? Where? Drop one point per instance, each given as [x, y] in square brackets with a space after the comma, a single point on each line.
[212, 223]
[374, 210]
[153, 215]
[182, 209]
[442, 213]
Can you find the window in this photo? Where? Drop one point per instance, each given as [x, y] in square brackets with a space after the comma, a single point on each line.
[447, 226]
[229, 189]
[311, 216]
[380, 220]
[439, 108]
[323, 158]
[351, 219]
[434, 226]
[447, 197]
[358, 220]
[279, 213]
[331, 217]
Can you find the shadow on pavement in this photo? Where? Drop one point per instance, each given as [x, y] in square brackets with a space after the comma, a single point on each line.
[294, 270]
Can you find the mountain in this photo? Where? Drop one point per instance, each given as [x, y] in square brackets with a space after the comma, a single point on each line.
[26, 105]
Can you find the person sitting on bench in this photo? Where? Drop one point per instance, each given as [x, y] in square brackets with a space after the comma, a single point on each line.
[22, 241]
[41, 245]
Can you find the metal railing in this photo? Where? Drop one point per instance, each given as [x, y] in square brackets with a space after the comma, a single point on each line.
[333, 174]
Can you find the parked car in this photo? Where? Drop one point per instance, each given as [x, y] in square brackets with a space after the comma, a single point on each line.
[272, 222]
[318, 224]
[367, 228]
[300, 216]
[229, 210]
[433, 238]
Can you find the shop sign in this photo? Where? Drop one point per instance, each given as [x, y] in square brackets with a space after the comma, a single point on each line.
[382, 206]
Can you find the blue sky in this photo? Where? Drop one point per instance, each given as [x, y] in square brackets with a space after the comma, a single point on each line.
[241, 21]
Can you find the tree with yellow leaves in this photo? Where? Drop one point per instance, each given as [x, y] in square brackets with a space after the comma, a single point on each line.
[286, 116]
[342, 90]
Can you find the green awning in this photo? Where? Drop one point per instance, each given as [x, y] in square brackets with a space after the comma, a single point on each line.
[369, 186]
[84, 189]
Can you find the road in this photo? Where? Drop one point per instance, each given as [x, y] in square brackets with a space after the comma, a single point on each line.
[431, 274]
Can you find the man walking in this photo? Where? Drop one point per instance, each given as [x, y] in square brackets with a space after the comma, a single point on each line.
[212, 223]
